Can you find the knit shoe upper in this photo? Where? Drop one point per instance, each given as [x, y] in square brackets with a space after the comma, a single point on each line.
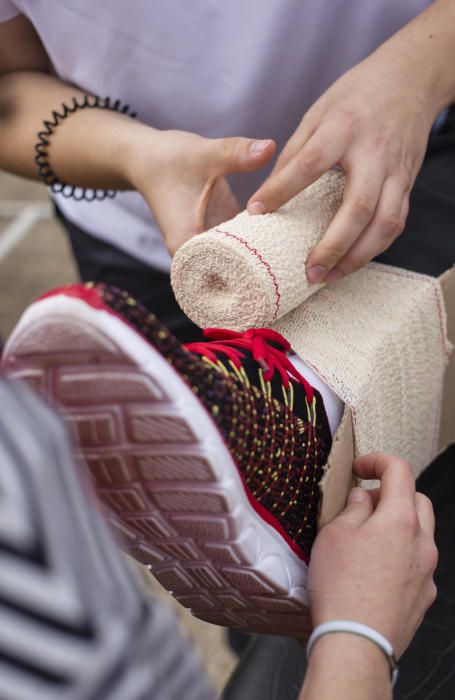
[272, 421]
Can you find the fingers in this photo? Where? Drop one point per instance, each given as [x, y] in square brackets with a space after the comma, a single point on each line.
[425, 513]
[358, 509]
[360, 200]
[295, 144]
[238, 155]
[219, 205]
[318, 155]
[387, 224]
[429, 551]
[374, 208]
[374, 495]
[396, 476]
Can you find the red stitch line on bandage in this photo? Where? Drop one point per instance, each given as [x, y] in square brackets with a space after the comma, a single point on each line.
[264, 262]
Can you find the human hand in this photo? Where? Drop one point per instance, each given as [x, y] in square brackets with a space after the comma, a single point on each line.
[374, 563]
[374, 123]
[181, 175]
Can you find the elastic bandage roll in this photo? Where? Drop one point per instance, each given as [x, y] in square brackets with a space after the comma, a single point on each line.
[250, 271]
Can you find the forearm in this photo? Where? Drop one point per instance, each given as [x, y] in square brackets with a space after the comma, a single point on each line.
[424, 52]
[91, 148]
[346, 667]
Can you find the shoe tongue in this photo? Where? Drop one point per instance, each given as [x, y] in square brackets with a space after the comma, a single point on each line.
[294, 397]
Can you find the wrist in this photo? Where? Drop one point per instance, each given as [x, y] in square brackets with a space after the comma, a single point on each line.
[347, 662]
[421, 58]
[413, 77]
[137, 154]
[343, 646]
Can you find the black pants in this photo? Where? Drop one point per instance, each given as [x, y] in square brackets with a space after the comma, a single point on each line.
[427, 670]
[99, 261]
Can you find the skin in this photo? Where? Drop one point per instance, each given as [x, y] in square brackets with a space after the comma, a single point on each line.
[374, 123]
[373, 564]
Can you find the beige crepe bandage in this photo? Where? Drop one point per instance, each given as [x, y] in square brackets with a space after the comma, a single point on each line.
[250, 271]
[377, 337]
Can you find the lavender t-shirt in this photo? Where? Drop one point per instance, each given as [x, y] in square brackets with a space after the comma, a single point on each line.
[247, 68]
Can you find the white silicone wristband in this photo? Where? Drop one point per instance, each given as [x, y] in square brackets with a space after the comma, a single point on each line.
[361, 630]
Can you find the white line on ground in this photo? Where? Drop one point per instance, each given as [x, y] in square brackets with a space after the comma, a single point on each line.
[28, 215]
[12, 207]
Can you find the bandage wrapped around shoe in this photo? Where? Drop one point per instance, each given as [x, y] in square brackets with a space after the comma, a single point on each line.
[378, 338]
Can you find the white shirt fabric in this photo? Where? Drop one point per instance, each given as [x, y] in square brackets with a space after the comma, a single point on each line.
[240, 68]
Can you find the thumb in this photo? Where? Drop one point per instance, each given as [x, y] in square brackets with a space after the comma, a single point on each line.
[358, 508]
[240, 155]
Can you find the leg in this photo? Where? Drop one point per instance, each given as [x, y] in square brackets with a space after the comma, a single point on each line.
[427, 669]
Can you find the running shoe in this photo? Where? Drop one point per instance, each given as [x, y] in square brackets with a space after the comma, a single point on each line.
[209, 456]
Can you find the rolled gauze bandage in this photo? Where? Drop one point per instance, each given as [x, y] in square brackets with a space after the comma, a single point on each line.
[250, 271]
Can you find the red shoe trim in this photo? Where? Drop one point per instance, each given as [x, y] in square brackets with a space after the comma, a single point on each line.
[78, 291]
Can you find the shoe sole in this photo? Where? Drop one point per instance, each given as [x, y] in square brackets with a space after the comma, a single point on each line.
[161, 467]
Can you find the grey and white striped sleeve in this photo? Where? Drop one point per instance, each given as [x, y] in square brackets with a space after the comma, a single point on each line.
[75, 623]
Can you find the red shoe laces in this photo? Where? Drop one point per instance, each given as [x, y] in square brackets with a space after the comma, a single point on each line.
[258, 342]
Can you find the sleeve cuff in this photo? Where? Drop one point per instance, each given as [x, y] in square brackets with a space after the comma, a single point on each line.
[8, 10]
